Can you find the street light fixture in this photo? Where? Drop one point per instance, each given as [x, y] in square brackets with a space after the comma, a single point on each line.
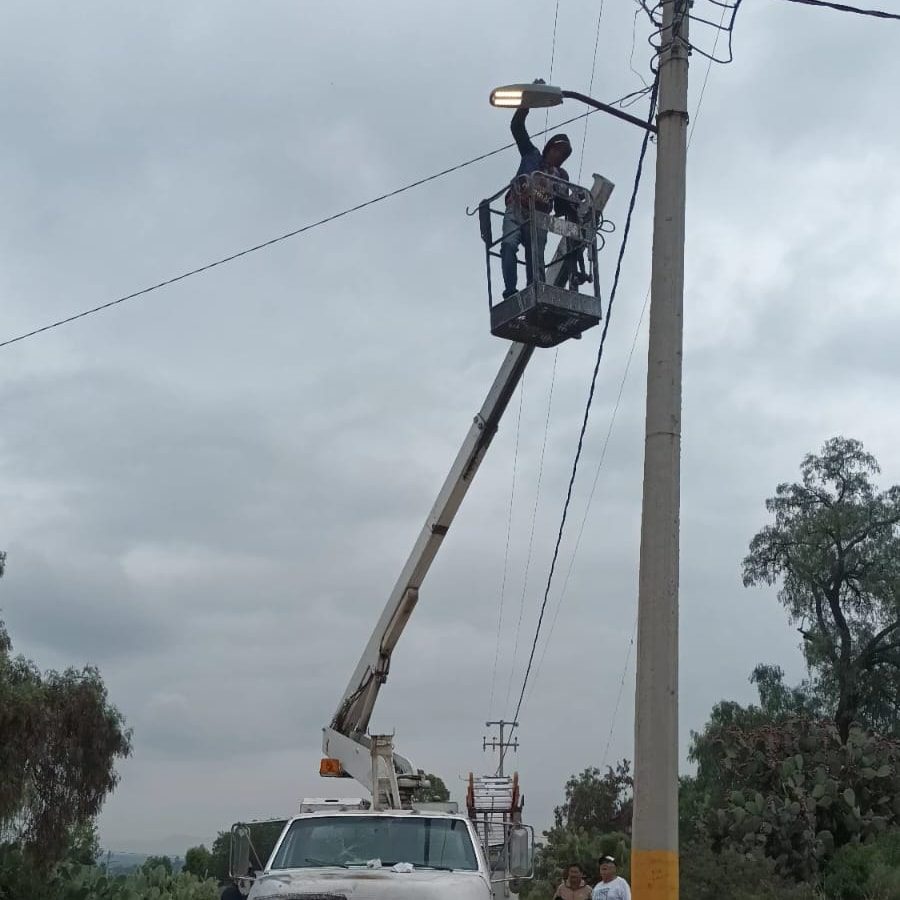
[536, 96]
[530, 96]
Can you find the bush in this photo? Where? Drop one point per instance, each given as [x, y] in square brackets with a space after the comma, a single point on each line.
[20, 879]
[706, 875]
[866, 871]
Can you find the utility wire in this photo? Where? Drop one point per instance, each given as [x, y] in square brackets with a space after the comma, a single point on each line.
[512, 496]
[540, 471]
[537, 499]
[283, 237]
[587, 410]
[590, 87]
[552, 60]
[612, 722]
[587, 508]
[842, 7]
[615, 712]
[613, 718]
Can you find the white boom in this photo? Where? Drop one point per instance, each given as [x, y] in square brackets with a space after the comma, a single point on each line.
[349, 750]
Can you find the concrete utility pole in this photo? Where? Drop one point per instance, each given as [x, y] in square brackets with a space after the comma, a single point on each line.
[654, 855]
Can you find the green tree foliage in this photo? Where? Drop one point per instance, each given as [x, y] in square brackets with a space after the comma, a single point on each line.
[564, 846]
[219, 855]
[263, 836]
[61, 738]
[834, 546]
[437, 792]
[22, 879]
[593, 820]
[84, 845]
[598, 802]
[198, 861]
[151, 863]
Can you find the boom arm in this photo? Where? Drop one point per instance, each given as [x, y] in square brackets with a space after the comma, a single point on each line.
[355, 710]
[363, 757]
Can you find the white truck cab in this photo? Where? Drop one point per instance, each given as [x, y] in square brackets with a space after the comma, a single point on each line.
[362, 854]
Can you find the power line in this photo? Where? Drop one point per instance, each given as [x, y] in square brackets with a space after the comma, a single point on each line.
[842, 7]
[552, 59]
[540, 470]
[587, 508]
[694, 120]
[612, 722]
[512, 496]
[590, 399]
[537, 498]
[615, 712]
[590, 87]
[275, 240]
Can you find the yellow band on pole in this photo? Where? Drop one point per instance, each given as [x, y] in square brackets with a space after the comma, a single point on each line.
[654, 874]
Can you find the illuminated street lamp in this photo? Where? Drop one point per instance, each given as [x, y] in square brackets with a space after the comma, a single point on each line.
[536, 96]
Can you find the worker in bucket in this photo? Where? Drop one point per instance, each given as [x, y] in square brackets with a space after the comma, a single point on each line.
[573, 887]
[516, 227]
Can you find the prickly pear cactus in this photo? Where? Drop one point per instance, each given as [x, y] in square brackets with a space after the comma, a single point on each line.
[796, 792]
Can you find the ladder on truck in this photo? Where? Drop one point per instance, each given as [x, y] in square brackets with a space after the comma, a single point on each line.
[494, 805]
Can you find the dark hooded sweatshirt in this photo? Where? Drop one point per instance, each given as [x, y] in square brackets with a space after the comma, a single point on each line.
[532, 158]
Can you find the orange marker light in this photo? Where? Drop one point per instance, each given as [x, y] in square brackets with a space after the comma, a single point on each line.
[331, 768]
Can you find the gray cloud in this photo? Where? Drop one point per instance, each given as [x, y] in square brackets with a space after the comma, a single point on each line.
[210, 491]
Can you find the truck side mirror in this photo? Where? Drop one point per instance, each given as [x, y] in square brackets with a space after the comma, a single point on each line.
[239, 858]
[521, 851]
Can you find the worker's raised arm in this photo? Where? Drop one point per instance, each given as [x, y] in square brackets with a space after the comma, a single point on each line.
[519, 132]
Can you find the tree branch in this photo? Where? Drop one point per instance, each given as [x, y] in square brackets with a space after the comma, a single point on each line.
[882, 635]
[872, 526]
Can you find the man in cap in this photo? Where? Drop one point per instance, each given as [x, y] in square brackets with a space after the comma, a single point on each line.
[610, 886]
[573, 886]
[516, 228]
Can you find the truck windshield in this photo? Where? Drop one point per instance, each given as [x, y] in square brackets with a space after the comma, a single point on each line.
[354, 840]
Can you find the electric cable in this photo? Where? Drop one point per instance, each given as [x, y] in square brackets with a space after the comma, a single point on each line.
[590, 88]
[552, 60]
[842, 7]
[694, 119]
[282, 237]
[537, 498]
[587, 508]
[612, 296]
[615, 712]
[509, 519]
[631, 642]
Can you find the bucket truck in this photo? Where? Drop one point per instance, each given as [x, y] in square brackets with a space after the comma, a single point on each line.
[394, 846]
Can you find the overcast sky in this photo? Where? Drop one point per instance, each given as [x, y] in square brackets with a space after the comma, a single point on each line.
[208, 492]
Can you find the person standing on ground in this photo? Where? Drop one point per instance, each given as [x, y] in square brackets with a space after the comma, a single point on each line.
[516, 227]
[610, 886]
[573, 886]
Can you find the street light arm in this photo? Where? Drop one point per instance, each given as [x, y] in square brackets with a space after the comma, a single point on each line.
[605, 107]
